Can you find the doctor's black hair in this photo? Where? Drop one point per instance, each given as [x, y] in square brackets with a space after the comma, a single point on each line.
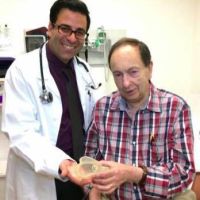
[73, 5]
[143, 48]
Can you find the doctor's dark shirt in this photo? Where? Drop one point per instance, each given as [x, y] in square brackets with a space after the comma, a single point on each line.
[64, 140]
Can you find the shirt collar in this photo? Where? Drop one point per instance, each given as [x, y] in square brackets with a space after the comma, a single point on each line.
[54, 61]
[153, 103]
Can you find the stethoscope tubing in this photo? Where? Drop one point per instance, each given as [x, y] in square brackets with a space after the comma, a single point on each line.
[41, 68]
[44, 91]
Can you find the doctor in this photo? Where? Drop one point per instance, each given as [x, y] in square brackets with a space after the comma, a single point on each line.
[36, 109]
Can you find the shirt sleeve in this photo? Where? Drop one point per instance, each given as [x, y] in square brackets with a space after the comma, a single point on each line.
[169, 178]
[92, 141]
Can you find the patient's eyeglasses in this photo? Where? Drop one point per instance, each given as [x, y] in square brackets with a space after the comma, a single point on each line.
[66, 30]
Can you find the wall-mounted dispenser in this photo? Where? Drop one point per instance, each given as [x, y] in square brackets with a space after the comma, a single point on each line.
[96, 49]
[5, 40]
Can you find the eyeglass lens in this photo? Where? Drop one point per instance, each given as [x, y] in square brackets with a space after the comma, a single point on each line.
[67, 30]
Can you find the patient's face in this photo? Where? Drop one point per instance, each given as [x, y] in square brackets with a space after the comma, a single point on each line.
[130, 74]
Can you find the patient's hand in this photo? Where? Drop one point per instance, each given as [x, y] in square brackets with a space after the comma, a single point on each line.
[82, 173]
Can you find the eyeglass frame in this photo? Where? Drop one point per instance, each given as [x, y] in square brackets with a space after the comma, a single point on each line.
[70, 31]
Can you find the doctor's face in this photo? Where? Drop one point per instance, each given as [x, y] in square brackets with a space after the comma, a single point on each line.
[64, 43]
[130, 74]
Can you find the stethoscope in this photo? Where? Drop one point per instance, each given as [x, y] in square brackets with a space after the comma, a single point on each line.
[46, 96]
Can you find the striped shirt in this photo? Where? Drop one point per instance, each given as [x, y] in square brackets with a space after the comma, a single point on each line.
[159, 136]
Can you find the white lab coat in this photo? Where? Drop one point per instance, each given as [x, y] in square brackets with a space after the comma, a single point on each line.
[32, 127]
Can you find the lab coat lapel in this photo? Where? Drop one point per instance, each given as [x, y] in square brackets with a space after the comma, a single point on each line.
[82, 81]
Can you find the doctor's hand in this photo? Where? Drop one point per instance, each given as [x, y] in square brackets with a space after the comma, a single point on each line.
[67, 170]
[108, 181]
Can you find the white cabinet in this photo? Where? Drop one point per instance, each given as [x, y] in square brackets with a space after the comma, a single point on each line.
[96, 56]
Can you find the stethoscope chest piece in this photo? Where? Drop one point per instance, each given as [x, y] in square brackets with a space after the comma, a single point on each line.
[46, 97]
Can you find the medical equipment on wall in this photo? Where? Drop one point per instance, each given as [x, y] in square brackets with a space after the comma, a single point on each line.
[100, 36]
[35, 38]
[5, 39]
[34, 41]
[96, 49]
[46, 96]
